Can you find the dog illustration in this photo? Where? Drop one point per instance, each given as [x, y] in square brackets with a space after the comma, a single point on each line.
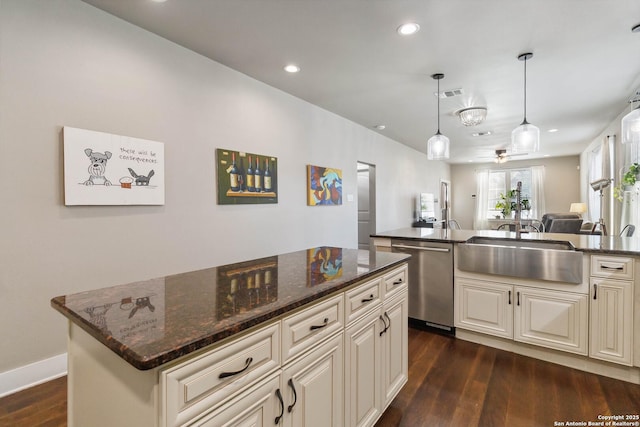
[97, 167]
[141, 179]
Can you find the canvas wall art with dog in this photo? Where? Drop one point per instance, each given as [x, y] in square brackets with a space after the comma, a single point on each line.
[106, 169]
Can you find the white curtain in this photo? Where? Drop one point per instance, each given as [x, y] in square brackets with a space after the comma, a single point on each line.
[480, 221]
[595, 173]
[537, 192]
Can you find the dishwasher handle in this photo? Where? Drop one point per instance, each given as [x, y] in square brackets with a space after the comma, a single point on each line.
[421, 248]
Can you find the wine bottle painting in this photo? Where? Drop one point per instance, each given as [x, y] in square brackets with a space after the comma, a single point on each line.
[246, 178]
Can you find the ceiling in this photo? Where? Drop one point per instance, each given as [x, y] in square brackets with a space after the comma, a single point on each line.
[585, 68]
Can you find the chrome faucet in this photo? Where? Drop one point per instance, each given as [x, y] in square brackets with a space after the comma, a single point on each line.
[517, 221]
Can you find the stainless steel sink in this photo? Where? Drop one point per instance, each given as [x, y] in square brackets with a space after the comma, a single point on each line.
[550, 260]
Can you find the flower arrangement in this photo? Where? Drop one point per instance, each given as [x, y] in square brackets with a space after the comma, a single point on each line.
[507, 203]
[628, 179]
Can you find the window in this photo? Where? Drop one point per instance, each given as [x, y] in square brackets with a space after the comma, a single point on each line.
[503, 180]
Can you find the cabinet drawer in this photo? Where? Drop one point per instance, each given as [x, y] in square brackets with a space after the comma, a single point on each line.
[361, 299]
[612, 267]
[395, 281]
[302, 330]
[203, 383]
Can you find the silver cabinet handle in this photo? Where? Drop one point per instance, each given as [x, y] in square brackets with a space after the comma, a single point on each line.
[421, 248]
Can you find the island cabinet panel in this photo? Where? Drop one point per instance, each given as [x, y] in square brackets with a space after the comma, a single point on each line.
[395, 345]
[484, 306]
[256, 406]
[204, 382]
[362, 370]
[307, 327]
[376, 355]
[551, 319]
[611, 320]
[312, 387]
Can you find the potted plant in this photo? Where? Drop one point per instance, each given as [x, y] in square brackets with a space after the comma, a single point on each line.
[628, 180]
[507, 204]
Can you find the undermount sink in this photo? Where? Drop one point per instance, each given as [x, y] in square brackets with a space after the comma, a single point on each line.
[550, 260]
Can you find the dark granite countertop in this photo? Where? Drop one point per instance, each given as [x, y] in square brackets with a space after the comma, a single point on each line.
[152, 322]
[582, 242]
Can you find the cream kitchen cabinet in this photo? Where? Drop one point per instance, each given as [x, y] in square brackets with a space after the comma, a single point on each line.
[484, 306]
[273, 357]
[611, 317]
[256, 406]
[547, 318]
[551, 319]
[376, 344]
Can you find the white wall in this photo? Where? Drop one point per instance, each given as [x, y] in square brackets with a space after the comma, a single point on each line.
[562, 185]
[65, 63]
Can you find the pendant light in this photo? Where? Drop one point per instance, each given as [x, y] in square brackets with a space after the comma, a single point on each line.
[631, 125]
[438, 144]
[526, 137]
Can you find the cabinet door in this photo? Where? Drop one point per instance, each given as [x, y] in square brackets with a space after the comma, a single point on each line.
[551, 319]
[394, 347]
[258, 406]
[485, 307]
[362, 373]
[312, 387]
[611, 320]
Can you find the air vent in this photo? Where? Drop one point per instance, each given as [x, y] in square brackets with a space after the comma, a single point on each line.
[449, 93]
[486, 133]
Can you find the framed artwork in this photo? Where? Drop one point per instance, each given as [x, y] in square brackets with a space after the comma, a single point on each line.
[323, 264]
[246, 178]
[324, 186]
[105, 169]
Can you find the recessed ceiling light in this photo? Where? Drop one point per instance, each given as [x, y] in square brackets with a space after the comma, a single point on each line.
[552, 130]
[547, 155]
[408, 29]
[291, 68]
[158, 1]
[380, 127]
[636, 29]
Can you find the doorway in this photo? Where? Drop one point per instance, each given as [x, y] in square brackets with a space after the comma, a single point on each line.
[366, 204]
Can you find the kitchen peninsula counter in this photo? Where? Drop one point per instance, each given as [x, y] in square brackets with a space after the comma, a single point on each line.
[152, 322]
[613, 245]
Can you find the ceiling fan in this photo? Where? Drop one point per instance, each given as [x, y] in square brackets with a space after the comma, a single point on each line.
[501, 155]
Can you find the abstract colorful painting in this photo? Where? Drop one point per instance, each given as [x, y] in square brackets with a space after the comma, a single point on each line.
[323, 264]
[324, 186]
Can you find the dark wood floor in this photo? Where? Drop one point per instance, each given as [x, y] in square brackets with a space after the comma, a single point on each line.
[451, 383]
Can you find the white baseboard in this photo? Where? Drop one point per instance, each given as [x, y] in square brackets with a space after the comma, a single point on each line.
[33, 374]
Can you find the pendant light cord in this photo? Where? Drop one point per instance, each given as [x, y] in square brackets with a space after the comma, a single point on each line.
[438, 95]
[525, 90]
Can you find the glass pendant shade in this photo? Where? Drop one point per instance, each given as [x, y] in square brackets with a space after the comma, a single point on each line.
[438, 147]
[525, 138]
[631, 127]
[438, 144]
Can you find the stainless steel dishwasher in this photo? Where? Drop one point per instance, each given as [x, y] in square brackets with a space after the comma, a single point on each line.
[430, 282]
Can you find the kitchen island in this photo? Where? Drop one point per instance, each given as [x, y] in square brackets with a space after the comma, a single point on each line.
[240, 342]
[524, 295]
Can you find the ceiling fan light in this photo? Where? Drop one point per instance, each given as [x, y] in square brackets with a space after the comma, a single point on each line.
[438, 147]
[472, 116]
[631, 127]
[525, 138]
